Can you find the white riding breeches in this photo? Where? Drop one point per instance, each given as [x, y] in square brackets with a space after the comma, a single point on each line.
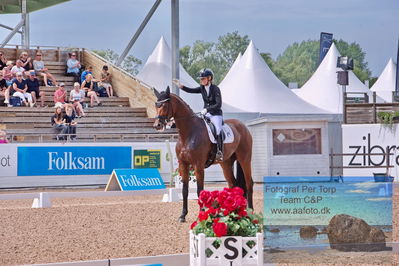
[23, 96]
[217, 121]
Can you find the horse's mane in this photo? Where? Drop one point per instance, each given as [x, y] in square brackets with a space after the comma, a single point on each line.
[181, 101]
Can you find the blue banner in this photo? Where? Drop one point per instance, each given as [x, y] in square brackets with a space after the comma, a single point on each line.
[326, 40]
[78, 160]
[139, 179]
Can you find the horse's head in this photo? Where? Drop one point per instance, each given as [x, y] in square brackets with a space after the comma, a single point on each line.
[164, 109]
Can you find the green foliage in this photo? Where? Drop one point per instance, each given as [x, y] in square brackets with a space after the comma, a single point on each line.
[387, 117]
[218, 56]
[130, 64]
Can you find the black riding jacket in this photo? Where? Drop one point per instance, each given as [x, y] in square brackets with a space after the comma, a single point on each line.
[212, 102]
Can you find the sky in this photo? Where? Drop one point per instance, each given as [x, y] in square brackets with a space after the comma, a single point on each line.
[271, 24]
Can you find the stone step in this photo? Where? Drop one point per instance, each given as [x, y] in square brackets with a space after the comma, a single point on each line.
[116, 131]
[99, 109]
[87, 120]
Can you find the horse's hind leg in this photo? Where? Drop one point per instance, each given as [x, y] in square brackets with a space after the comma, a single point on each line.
[246, 168]
[228, 173]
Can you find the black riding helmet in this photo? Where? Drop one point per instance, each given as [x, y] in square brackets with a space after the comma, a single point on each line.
[206, 72]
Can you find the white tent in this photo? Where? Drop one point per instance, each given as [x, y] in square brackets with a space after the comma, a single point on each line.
[322, 89]
[253, 87]
[385, 84]
[157, 72]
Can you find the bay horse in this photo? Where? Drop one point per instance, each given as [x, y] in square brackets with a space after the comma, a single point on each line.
[194, 147]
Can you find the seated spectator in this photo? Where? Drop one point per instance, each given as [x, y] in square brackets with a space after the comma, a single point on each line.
[3, 61]
[26, 62]
[4, 90]
[3, 137]
[18, 68]
[87, 85]
[106, 79]
[77, 99]
[60, 97]
[7, 75]
[74, 66]
[19, 89]
[40, 70]
[89, 70]
[34, 89]
[57, 122]
[69, 121]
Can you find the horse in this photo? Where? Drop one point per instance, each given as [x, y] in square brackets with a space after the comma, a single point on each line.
[194, 147]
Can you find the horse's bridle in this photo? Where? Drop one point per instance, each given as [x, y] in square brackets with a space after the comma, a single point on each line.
[163, 119]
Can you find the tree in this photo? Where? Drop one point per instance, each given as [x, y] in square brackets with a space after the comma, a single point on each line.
[130, 64]
[300, 60]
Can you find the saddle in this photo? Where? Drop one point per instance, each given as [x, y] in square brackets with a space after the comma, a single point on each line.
[227, 137]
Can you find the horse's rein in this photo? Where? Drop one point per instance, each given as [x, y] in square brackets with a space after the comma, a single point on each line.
[169, 119]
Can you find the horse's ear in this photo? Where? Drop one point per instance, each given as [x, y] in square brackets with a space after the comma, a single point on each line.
[156, 92]
[167, 91]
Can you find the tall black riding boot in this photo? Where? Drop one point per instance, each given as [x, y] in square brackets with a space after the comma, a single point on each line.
[219, 153]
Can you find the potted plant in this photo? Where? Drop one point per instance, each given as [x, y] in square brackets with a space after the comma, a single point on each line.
[388, 118]
[226, 232]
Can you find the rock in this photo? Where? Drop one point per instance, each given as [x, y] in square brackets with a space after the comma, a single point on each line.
[274, 230]
[348, 233]
[308, 232]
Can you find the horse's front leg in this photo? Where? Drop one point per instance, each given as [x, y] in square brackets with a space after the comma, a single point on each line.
[184, 173]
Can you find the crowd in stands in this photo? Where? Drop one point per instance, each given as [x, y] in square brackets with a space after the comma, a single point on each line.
[20, 86]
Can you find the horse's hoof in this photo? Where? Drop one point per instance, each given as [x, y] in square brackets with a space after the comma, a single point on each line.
[182, 219]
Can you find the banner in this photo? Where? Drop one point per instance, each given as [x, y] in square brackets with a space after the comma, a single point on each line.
[75, 160]
[8, 160]
[326, 40]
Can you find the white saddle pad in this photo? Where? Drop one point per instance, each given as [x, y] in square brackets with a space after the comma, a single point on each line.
[227, 131]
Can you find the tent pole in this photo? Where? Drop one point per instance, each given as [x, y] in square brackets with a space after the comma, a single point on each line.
[175, 44]
[9, 28]
[138, 32]
[11, 34]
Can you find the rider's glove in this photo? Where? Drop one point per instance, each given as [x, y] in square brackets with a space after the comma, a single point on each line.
[177, 83]
[204, 111]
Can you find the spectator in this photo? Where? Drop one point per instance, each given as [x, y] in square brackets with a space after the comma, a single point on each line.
[26, 62]
[60, 96]
[19, 89]
[106, 79]
[18, 68]
[34, 89]
[57, 122]
[77, 99]
[89, 70]
[3, 61]
[69, 121]
[4, 90]
[87, 85]
[73, 67]
[3, 137]
[38, 65]
[7, 75]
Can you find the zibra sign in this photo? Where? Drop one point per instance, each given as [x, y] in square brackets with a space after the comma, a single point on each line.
[78, 160]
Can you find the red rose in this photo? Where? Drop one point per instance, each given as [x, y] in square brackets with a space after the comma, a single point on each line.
[226, 212]
[237, 191]
[193, 225]
[212, 211]
[230, 204]
[222, 196]
[215, 194]
[220, 229]
[242, 212]
[255, 221]
[216, 220]
[241, 201]
[202, 216]
[206, 198]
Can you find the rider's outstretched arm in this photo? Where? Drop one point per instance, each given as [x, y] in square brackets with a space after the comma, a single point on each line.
[191, 90]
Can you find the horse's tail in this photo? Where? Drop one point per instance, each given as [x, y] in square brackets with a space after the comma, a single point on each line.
[240, 178]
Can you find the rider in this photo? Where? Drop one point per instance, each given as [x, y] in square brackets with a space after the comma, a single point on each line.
[212, 104]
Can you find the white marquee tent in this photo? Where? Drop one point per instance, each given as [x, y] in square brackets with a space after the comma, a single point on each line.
[253, 87]
[322, 89]
[385, 84]
[157, 72]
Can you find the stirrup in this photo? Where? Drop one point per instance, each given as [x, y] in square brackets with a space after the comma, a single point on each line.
[219, 156]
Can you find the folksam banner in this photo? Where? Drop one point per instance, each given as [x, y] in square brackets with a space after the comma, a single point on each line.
[76, 160]
[326, 40]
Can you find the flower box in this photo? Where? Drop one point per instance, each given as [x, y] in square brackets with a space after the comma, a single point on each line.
[231, 250]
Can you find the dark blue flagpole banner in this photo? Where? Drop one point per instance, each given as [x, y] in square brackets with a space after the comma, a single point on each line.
[326, 40]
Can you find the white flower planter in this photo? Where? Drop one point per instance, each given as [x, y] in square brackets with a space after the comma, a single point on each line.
[230, 253]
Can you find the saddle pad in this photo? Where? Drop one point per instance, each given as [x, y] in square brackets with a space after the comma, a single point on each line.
[228, 132]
